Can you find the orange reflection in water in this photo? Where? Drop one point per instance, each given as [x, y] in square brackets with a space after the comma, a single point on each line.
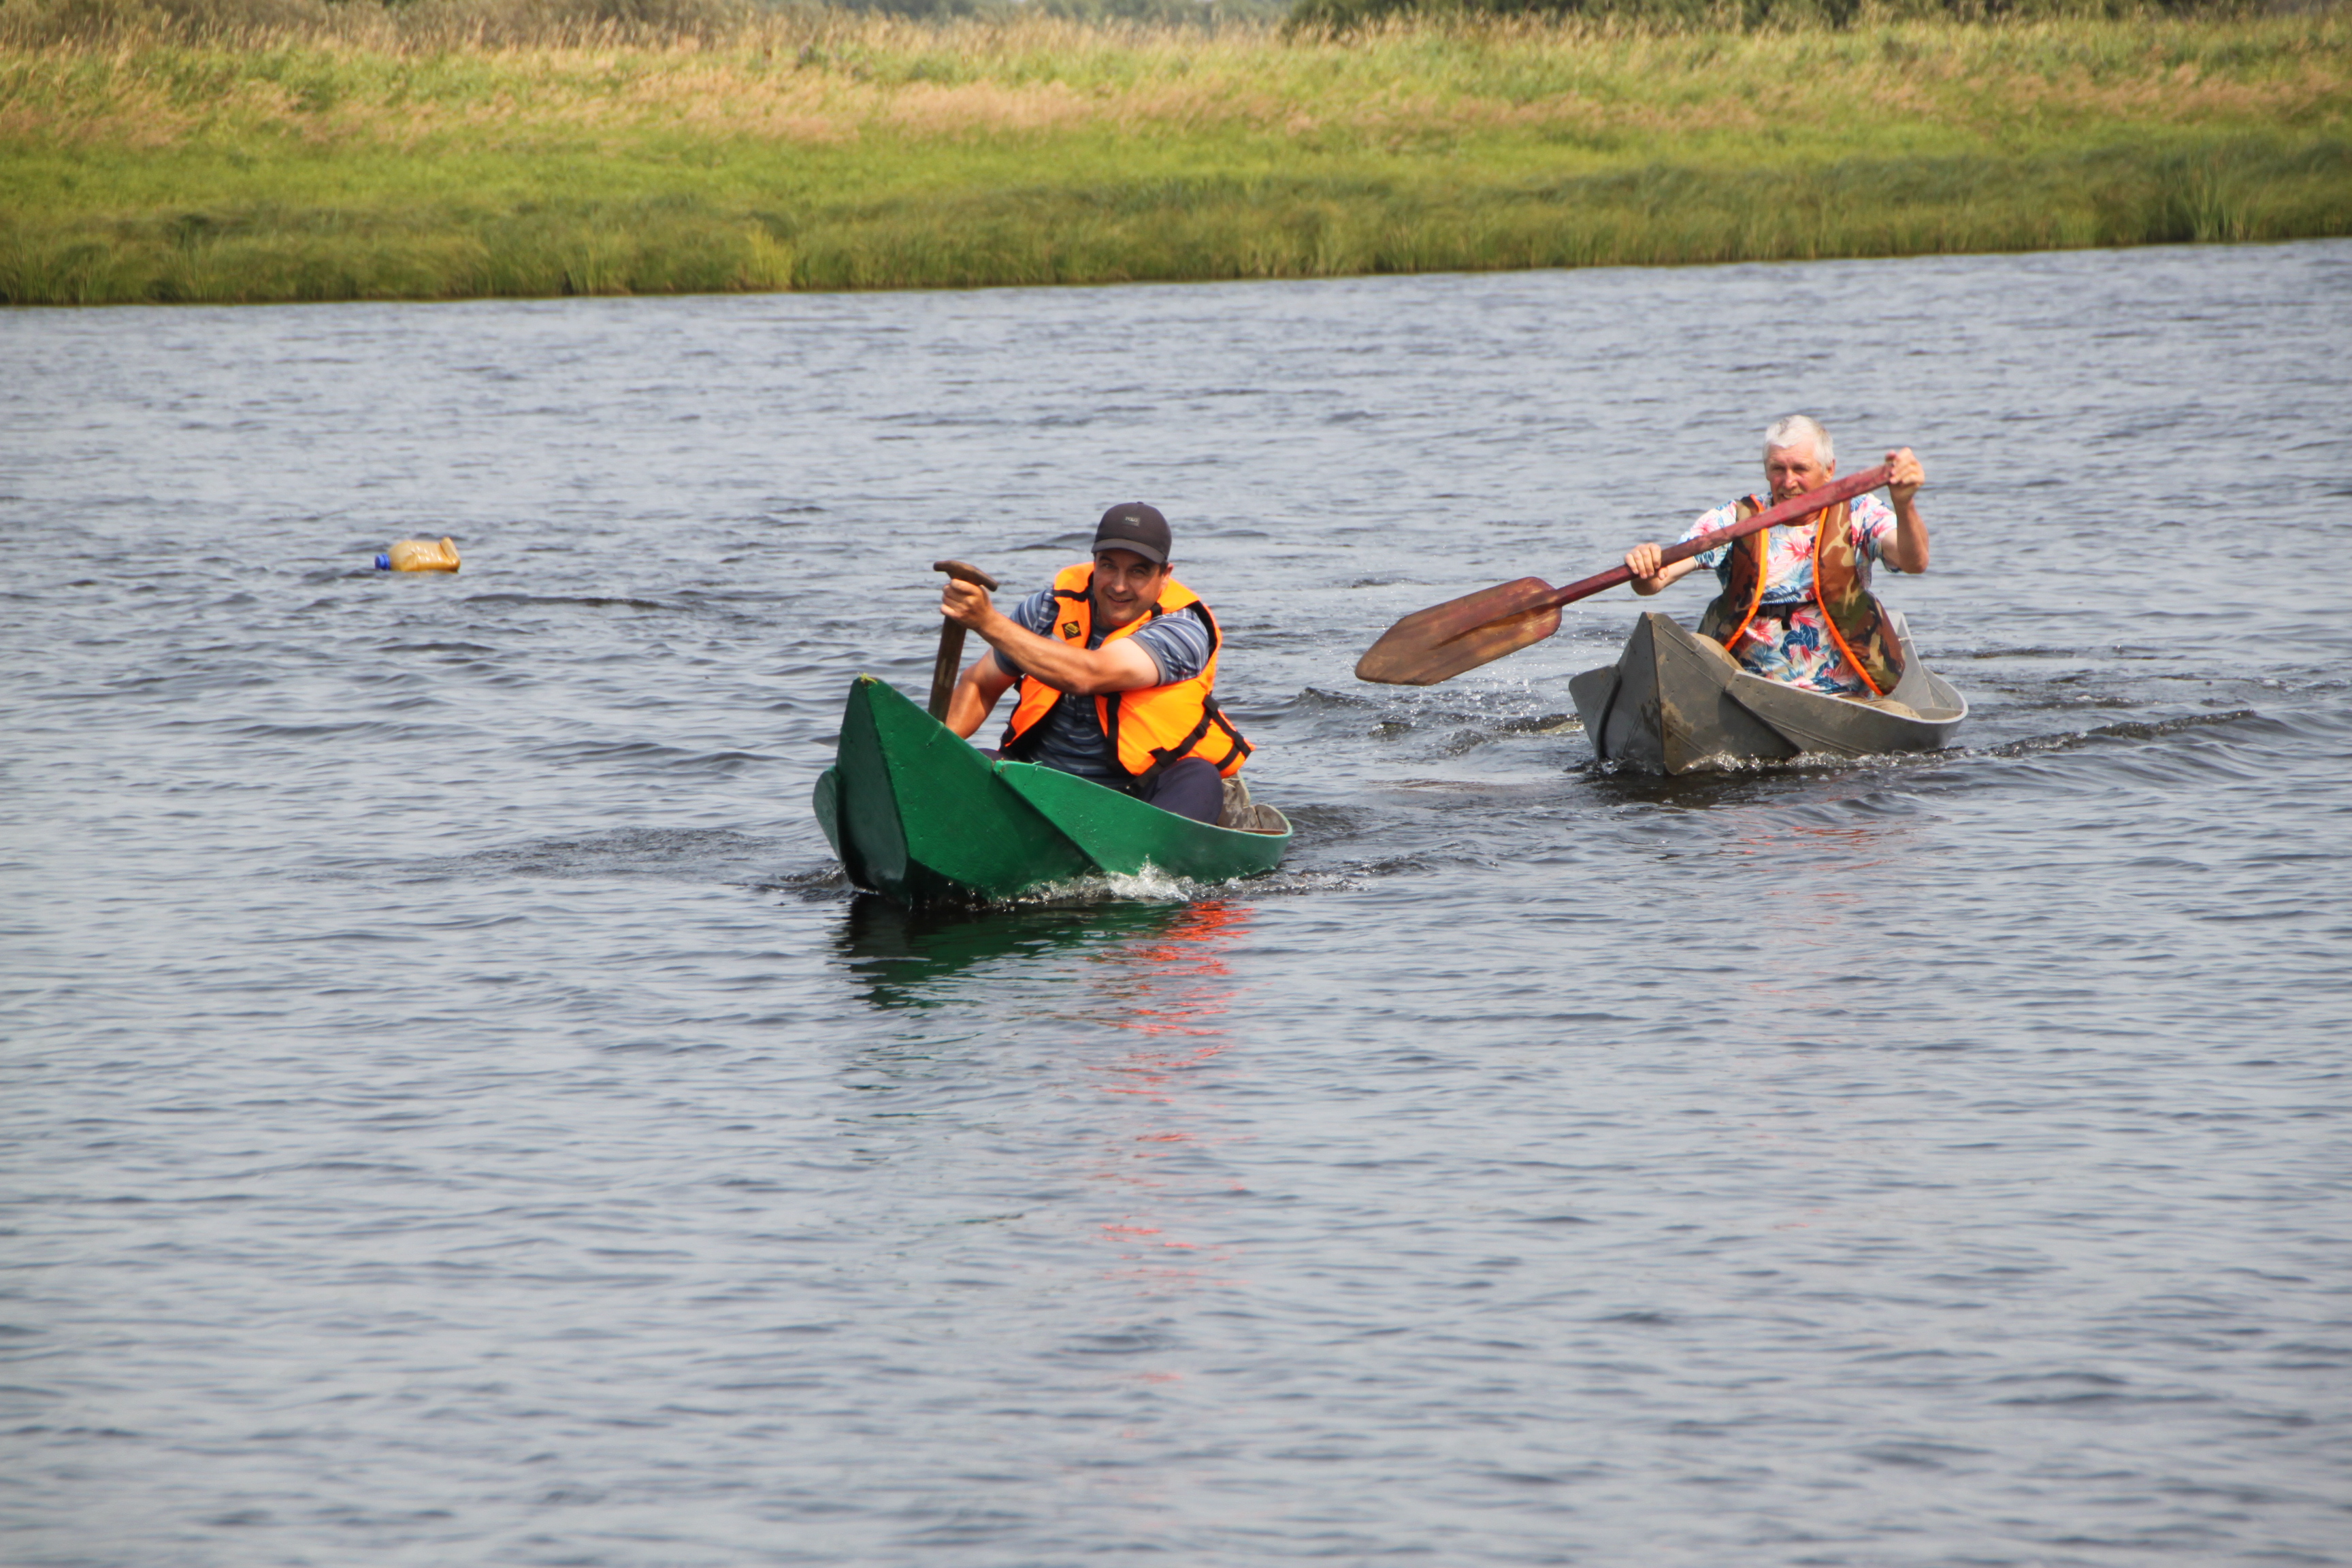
[1173, 991]
[1177, 982]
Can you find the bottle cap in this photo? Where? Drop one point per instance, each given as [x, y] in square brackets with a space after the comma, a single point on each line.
[383, 563]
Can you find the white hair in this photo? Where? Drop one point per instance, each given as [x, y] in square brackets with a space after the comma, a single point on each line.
[1788, 431]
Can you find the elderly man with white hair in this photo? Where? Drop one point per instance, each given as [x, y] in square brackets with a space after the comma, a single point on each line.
[1795, 604]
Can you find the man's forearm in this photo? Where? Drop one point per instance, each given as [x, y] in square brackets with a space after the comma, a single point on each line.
[1057, 663]
[1911, 538]
[1085, 672]
[1658, 581]
[974, 697]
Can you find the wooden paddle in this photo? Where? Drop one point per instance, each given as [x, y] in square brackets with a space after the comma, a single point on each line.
[1441, 642]
[950, 664]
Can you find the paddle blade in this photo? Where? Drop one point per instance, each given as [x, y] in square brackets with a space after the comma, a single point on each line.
[1441, 642]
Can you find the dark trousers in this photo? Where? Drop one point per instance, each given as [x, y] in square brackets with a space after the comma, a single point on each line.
[1191, 788]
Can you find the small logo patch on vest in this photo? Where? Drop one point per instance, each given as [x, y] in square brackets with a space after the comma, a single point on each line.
[1070, 630]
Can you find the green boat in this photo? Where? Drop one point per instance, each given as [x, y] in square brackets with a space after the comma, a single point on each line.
[915, 812]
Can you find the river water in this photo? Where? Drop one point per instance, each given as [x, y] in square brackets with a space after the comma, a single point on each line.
[455, 1112]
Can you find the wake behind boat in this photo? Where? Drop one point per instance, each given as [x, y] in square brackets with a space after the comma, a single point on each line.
[916, 813]
[1675, 702]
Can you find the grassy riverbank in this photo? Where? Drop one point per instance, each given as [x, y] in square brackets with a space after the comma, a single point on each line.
[348, 153]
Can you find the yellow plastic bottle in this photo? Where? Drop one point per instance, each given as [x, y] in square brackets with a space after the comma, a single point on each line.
[419, 555]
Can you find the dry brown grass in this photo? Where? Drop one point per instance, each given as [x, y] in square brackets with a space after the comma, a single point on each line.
[880, 77]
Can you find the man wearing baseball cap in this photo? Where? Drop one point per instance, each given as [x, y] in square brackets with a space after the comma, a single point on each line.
[1115, 667]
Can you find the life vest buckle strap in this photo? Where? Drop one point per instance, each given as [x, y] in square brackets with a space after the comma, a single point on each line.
[1216, 715]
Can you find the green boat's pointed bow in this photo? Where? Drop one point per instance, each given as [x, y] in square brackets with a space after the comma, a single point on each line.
[919, 814]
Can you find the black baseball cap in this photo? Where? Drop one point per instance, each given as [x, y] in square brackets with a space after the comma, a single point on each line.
[1131, 525]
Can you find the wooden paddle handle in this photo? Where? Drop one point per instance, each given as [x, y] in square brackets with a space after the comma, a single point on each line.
[964, 572]
[949, 664]
[1789, 511]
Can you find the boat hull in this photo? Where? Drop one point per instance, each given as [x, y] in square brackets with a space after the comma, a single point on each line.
[916, 813]
[1675, 702]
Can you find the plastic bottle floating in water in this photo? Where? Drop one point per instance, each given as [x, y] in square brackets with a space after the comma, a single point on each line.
[419, 555]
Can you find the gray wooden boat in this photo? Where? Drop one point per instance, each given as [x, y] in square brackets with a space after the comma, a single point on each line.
[1675, 702]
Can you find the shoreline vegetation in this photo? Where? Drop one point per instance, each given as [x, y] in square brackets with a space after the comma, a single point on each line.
[288, 150]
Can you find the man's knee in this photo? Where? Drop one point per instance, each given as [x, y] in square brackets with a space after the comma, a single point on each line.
[1191, 788]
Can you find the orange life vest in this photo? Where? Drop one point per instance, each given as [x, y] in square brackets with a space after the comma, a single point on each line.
[1857, 622]
[1155, 726]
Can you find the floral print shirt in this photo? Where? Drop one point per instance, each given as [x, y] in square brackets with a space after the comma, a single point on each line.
[1789, 640]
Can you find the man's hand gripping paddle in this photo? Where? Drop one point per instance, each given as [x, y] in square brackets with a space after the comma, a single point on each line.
[948, 666]
[1440, 643]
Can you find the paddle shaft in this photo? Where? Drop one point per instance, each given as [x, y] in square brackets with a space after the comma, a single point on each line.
[1787, 510]
[949, 663]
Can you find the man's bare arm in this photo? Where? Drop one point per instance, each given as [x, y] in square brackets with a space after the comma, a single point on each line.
[1649, 577]
[1121, 665]
[1908, 551]
[974, 698]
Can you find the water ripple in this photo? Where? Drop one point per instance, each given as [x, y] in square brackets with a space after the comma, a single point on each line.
[457, 1110]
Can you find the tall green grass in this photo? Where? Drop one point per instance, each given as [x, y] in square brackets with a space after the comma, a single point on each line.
[292, 150]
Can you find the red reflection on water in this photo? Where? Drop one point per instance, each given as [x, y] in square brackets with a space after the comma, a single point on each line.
[1177, 982]
[1175, 991]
